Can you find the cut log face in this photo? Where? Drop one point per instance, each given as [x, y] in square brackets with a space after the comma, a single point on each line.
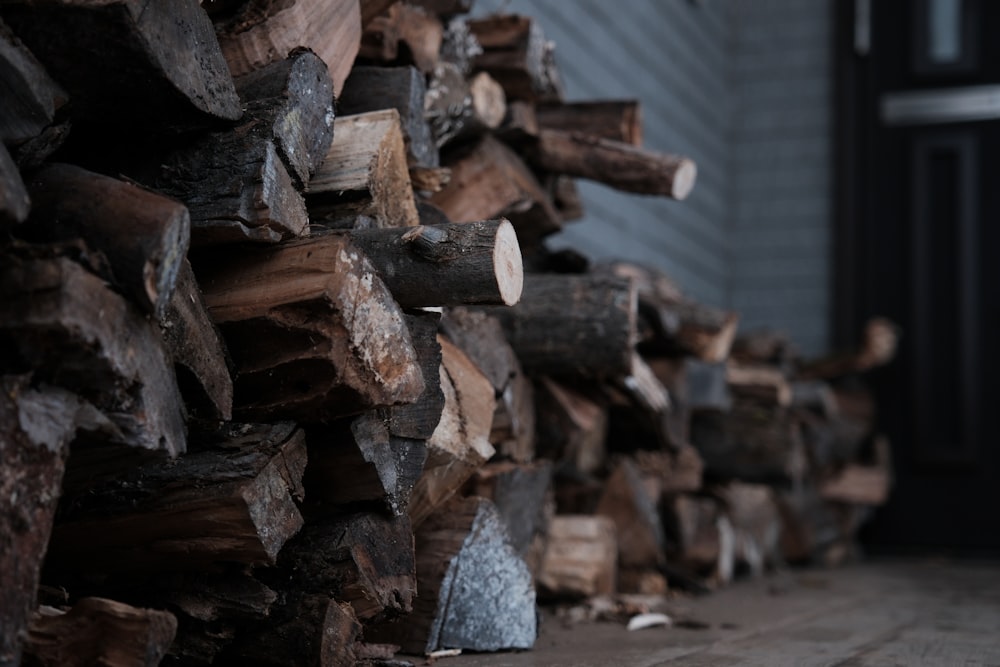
[212, 506]
[261, 33]
[313, 331]
[364, 173]
[116, 362]
[447, 265]
[176, 74]
[97, 631]
[144, 235]
[581, 557]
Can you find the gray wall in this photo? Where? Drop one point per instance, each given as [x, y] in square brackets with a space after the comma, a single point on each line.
[742, 87]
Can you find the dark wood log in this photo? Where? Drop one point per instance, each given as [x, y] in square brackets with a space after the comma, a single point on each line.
[520, 124]
[403, 34]
[581, 557]
[469, 577]
[516, 53]
[706, 386]
[577, 325]
[235, 503]
[513, 431]
[638, 525]
[520, 492]
[667, 473]
[861, 483]
[702, 538]
[615, 120]
[417, 420]
[98, 631]
[565, 197]
[399, 88]
[262, 32]
[447, 265]
[460, 444]
[444, 7]
[365, 173]
[460, 108]
[31, 98]
[365, 559]
[290, 317]
[766, 384]
[36, 427]
[615, 163]
[196, 348]
[176, 75]
[144, 235]
[116, 361]
[360, 461]
[810, 529]
[14, 200]
[572, 426]
[294, 98]
[672, 374]
[489, 181]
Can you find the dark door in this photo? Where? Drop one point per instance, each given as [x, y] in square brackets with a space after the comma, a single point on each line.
[919, 233]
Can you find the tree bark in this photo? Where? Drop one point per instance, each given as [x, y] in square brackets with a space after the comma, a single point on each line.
[460, 108]
[614, 120]
[516, 53]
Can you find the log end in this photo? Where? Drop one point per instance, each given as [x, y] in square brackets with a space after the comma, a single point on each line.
[507, 264]
[684, 179]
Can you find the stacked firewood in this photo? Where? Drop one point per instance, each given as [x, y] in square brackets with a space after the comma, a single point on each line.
[290, 378]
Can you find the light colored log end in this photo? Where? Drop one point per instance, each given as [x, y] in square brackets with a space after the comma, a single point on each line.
[489, 102]
[684, 179]
[507, 264]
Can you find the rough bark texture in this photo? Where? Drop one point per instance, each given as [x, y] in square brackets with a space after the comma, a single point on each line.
[516, 53]
[616, 120]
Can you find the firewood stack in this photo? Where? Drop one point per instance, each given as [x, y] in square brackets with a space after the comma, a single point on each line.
[290, 377]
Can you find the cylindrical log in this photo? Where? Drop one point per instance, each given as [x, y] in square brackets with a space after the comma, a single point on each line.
[144, 235]
[615, 163]
[618, 120]
[579, 325]
[447, 265]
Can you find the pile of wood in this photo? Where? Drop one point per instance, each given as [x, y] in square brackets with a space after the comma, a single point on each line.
[290, 377]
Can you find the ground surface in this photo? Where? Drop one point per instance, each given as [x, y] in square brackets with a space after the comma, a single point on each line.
[878, 614]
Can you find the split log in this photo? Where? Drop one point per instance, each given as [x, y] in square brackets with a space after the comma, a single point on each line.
[98, 631]
[765, 346]
[116, 361]
[176, 75]
[702, 537]
[513, 431]
[762, 383]
[144, 235]
[293, 97]
[706, 386]
[14, 200]
[458, 108]
[36, 427]
[364, 173]
[516, 53]
[32, 100]
[519, 492]
[669, 473]
[469, 579]
[370, 9]
[419, 419]
[262, 32]
[615, 163]
[756, 523]
[447, 265]
[704, 331]
[360, 461]
[581, 557]
[576, 325]
[236, 503]
[313, 332]
[672, 374]
[489, 180]
[862, 484]
[638, 525]
[878, 347]
[614, 120]
[400, 88]
[572, 427]
[199, 355]
[809, 525]
[364, 559]
[403, 33]
[460, 444]
[565, 197]
[520, 124]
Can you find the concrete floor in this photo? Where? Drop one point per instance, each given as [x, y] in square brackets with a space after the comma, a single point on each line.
[881, 613]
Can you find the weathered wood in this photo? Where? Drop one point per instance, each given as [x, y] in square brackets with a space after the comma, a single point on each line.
[706, 385]
[667, 473]
[370, 9]
[460, 444]
[577, 325]
[196, 348]
[14, 200]
[877, 348]
[638, 525]
[444, 7]
[364, 559]
[36, 427]
[763, 383]
[293, 97]
[313, 332]
[399, 88]
[809, 525]
[235, 503]
[581, 557]
[489, 180]
[417, 420]
[262, 32]
[403, 33]
[520, 124]
[365, 173]
[115, 361]
[447, 265]
[176, 75]
[97, 631]
[469, 578]
[571, 426]
[519, 492]
[615, 163]
[360, 461]
[862, 483]
[516, 53]
[615, 120]
[460, 108]
[701, 537]
[144, 235]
